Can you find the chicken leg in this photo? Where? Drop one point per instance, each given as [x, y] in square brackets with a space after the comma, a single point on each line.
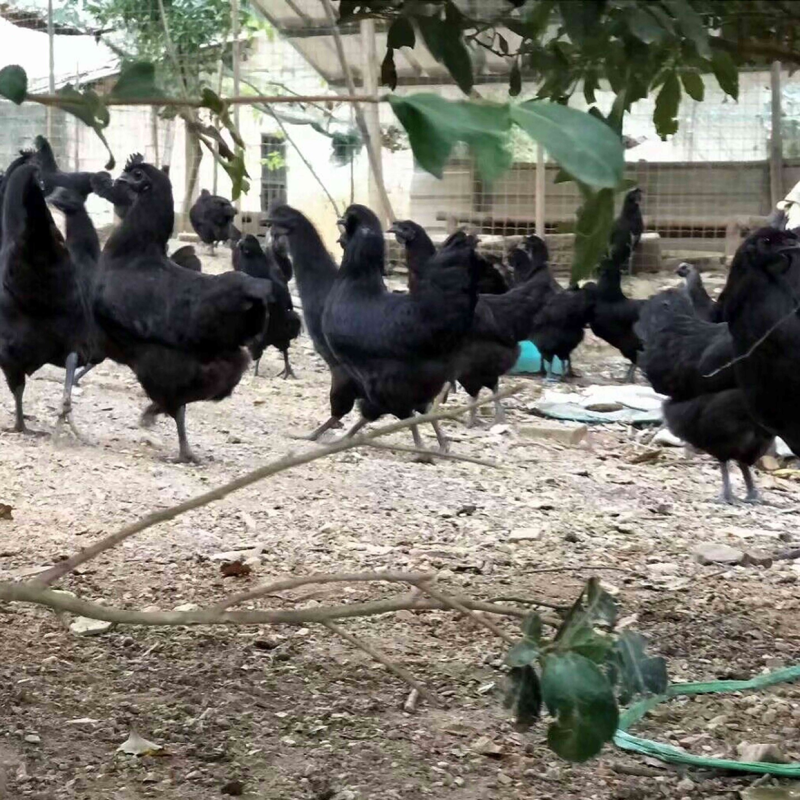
[499, 411]
[287, 372]
[255, 372]
[329, 424]
[444, 442]
[19, 423]
[630, 376]
[727, 495]
[420, 458]
[81, 374]
[185, 456]
[752, 495]
[66, 402]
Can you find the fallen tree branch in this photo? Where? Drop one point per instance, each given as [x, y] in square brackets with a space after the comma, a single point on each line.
[294, 583]
[395, 669]
[481, 462]
[61, 601]
[458, 605]
[287, 462]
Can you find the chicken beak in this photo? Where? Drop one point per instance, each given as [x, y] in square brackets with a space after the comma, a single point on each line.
[392, 228]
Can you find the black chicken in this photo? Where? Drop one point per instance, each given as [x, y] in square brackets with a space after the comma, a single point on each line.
[52, 177]
[627, 229]
[186, 257]
[42, 317]
[418, 246]
[538, 257]
[704, 306]
[689, 360]
[501, 321]
[84, 249]
[182, 333]
[399, 348]
[212, 218]
[315, 273]
[760, 304]
[283, 325]
[612, 315]
[118, 194]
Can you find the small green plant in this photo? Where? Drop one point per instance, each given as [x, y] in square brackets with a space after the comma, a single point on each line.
[581, 676]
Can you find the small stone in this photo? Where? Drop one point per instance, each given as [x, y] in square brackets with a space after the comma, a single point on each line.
[564, 434]
[685, 786]
[758, 558]
[761, 753]
[486, 747]
[83, 626]
[233, 788]
[667, 439]
[33, 738]
[504, 779]
[718, 554]
[525, 535]
[769, 463]
[186, 607]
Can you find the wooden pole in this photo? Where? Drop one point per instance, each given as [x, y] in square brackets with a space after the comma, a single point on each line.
[776, 139]
[52, 74]
[540, 190]
[369, 50]
[362, 123]
[236, 72]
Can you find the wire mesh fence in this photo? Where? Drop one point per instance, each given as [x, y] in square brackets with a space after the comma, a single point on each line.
[701, 187]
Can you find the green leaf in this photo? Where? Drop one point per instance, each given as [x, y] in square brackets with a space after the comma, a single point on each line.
[88, 108]
[515, 80]
[13, 83]
[591, 84]
[136, 80]
[693, 83]
[692, 25]
[211, 100]
[524, 696]
[434, 125]
[644, 26]
[633, 671]
[502, 43]
[668, 100]
[581, 19]
[401, 34]
[726, 73]
[522, 654]
[600, 605]
[237, 171]
[532, 627]
[388, 70]
[580, 697]
[589, 150]
[592, 229]
[446, 44]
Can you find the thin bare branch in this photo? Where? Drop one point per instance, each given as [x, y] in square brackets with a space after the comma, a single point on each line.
[170, 102]
[395, 669]
[287, 462]
[61, 601]
[459, 605]
[481, 462]
[294, 583]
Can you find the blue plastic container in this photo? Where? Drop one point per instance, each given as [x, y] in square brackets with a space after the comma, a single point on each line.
[530, 360]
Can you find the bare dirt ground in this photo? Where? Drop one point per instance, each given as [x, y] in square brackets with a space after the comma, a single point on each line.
[297, 714]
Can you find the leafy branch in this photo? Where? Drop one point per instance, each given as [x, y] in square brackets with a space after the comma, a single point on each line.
[581, 675]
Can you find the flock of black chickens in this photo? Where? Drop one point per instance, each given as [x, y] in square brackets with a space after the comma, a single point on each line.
[726, 366]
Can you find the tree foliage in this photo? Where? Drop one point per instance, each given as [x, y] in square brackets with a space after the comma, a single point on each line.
[635, 48]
